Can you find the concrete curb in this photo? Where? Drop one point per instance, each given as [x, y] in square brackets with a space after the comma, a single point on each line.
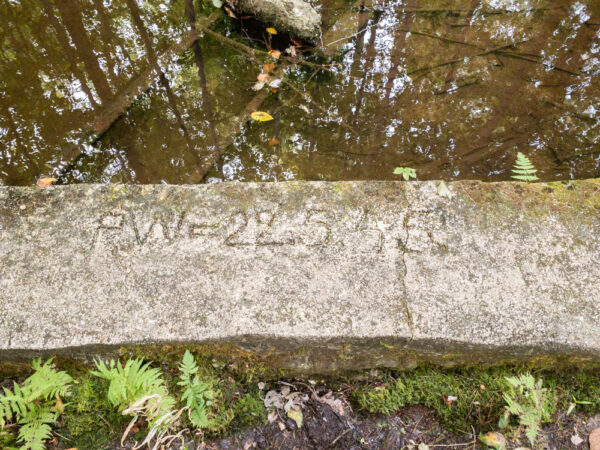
[315, 276]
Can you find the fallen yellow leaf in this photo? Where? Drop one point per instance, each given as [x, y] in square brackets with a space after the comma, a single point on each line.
[296, 416]
[261, 116]
[268, 67]
[271, 30]
[494, 439]
[45, 182]
[275, 54]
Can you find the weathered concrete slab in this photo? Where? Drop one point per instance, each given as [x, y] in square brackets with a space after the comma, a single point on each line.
[317, 276]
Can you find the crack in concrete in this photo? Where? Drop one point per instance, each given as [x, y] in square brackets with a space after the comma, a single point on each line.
[402, 246]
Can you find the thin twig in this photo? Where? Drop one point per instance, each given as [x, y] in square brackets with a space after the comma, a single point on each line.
[458, 60]
[441, 38]
[517, 56]
[338, 438]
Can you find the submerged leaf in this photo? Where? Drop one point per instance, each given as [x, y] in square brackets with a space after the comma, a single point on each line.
[217, 3]
[275, 83]
[271, 30]
[268, 67]
[45, 182]
[273, 142]
[258, 86]
[230, 13]
[261, 116]
[263, 77]
[276, 54]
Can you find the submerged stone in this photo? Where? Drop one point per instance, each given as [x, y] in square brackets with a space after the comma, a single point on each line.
[296, 17]
[315, 276]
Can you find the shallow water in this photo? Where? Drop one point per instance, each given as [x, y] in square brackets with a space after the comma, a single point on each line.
[115, 91]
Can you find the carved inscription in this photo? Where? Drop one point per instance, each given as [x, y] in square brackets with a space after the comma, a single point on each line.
[260, 227]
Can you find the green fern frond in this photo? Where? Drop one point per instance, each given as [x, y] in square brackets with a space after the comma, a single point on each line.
[130, 382]
[188, 366]
[524, 170]
[197, 395]
[137, 386]
[33, 403]
[527, 399]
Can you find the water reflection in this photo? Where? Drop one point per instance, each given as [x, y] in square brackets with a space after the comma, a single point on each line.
[453, 89]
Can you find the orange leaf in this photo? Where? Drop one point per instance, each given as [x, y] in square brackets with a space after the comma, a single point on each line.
[263, 77]
[275, 54]
[45, 182]
[268, 67]
[273, 142]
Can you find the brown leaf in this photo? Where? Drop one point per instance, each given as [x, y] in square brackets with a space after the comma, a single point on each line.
[230, 13]
[595, 439]
[276, 54]
[45, 182]
[297, 43]
[268, 67]
[273, 142]
[59, 405]
[263, 77]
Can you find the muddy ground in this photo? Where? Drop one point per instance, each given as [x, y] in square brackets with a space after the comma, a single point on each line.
[325, 428]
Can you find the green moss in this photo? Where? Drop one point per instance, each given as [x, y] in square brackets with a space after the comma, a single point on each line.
[249, 411]
[90, 421]
[479, 393]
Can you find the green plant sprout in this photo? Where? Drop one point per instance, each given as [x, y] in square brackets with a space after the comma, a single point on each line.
[406, 172]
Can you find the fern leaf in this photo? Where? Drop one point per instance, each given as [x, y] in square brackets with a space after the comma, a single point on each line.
[524, 170]
[188, 366]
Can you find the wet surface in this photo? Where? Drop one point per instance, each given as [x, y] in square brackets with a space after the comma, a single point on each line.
[120, 91]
